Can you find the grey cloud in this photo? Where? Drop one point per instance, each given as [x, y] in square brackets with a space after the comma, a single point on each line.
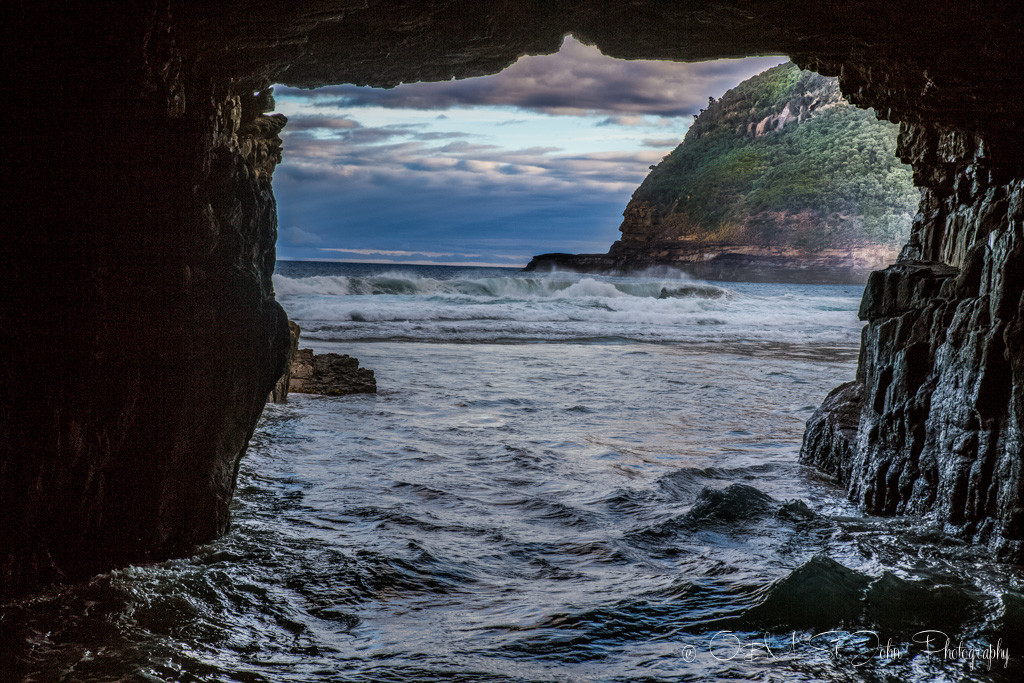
[466, 169]
[298, 236]
[662, 143]
[463, 147]
[310, 123]
[306, 128]
[577, 80]
[438, 135]
[623, 121]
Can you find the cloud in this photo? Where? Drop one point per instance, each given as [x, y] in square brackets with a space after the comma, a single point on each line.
[317, 122]
[662, 143]
[623, 121]
[379, 163]
[397, 252]
[297, 236]
[343, 128]
[577, 80]
[460, 167]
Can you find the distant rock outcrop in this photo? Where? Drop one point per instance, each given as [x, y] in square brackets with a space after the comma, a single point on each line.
[330, 374]
[782, 179]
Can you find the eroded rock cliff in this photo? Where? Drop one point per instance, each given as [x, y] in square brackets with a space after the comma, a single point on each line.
[938, 400]
[137, 178]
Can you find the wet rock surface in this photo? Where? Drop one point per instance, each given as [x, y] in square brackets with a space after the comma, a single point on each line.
[830, 439]
[140, 270]
[329, 374]
[938, 431]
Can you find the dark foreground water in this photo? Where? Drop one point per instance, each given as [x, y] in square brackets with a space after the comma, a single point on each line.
[563, 478]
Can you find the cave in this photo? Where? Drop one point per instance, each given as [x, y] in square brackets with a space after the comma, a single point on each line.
[141, 245]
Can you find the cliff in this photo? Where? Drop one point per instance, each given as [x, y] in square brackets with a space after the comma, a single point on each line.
[137, 173]
[932, 424]
[781, 179]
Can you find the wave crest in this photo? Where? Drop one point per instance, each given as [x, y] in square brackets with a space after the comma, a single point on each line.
[402, 284]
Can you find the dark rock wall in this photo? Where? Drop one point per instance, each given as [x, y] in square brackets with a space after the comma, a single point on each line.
[279, 394]
[939, 430]
[141, 334]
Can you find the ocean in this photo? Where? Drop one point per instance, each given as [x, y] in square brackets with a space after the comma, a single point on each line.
[561, 478]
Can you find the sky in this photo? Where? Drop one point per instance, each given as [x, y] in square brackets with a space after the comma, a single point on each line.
[542, 157]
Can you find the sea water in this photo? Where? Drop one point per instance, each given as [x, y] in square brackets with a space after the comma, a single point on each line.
[561, 478]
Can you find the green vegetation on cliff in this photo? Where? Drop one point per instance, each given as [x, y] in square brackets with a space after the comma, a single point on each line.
[783, 160]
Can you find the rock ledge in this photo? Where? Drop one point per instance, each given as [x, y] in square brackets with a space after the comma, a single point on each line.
[330, 374]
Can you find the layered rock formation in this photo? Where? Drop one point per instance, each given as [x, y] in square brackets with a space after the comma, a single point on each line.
[729, 263]
[933, 423]
[329, 374]
[137, 176]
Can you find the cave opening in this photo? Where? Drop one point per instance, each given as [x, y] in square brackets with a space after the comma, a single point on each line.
[533, 431]
[146, 293]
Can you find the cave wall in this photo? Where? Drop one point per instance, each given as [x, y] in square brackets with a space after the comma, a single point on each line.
[932, 424]
[142, 332]
[142, 336]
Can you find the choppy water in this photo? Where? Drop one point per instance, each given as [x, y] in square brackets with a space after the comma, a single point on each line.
[563, 478]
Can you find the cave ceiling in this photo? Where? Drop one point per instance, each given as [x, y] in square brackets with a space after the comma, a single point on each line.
[954, 64]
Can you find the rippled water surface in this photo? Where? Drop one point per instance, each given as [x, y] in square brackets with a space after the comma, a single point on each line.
[562, 478]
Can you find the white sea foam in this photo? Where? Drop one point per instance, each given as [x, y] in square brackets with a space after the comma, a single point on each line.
[562, 307]
[503, 287]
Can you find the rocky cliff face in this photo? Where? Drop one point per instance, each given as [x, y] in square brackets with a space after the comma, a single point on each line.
[137, 176]
[139, 279]
[938, 400]
[279, 394]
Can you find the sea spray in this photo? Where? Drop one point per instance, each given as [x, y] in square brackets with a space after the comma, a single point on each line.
[477, 305]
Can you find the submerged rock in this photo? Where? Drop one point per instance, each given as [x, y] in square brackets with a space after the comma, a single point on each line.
[820, 594]
[330, 374]
[795, 511]
[735, 502]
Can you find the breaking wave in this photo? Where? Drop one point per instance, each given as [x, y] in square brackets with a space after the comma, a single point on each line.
[470, 306]
[405, 284]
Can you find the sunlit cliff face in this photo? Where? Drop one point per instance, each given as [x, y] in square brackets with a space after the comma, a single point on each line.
[139, 276]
